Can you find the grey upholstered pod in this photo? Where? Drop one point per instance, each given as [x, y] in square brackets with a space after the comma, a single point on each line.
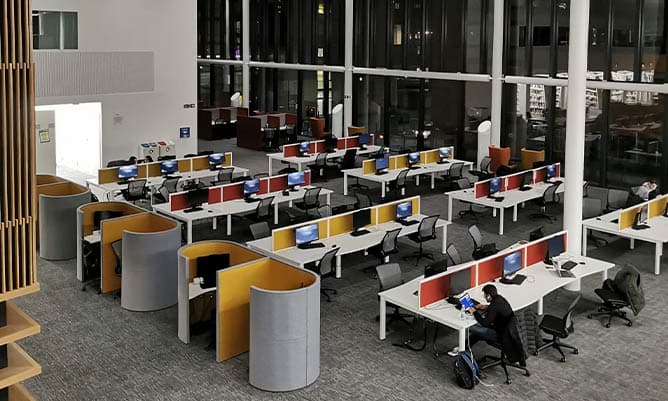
[284, 338]
[57, 225]
[149, 269]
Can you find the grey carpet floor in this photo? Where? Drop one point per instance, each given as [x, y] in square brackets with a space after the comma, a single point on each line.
[91, 349]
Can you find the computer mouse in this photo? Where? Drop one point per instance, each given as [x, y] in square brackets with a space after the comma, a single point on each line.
[582, 263]
[333, 246]
[210, 211]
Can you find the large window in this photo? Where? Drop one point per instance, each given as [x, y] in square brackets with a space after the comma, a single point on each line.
[55, 30]
[217, 83]
[219, 29]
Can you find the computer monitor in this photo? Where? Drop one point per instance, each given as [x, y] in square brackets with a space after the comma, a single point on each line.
[652, 194]
[304, 147]
[127, 172]
[216, 159]
[330, 143]
[527, 179]
[295, 179]
[460, 282]
[444, 153]
[512, 263]
[413, 158]
[550, 171]
[251, 187]
[361, 219]
[642, 215]
[306, 234]
[382, 164]
[364, 140]
[100, 215]
[404, 210]
[196, 198]
[555, 247]
[169, 167]
[207, 266]
[494, 185]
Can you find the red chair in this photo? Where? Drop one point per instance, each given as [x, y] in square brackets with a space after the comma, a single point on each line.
[318, 128]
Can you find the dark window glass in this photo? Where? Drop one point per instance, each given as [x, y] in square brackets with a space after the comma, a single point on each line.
[516, 38]
[624, 39]
[598, 39]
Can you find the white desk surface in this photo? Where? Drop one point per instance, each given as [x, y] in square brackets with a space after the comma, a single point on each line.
[511, 198]
[345, 242]
[657, 231]
[430, 168]
[195, 290]
[311, 158]
[540, 282]
[93, 238]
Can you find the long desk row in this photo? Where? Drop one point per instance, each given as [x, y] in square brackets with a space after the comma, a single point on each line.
[509, 191]
[336, 233]
[427, 297]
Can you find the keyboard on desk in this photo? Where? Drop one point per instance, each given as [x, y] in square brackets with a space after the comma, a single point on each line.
[251, 200]
[524, 189]
[569, 265]
[381, 172]
[517, 280]
[360, 233]
[311, 245]
[407, 222]
[415, 167]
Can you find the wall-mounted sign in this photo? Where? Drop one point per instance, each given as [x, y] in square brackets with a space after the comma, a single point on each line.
[185, 132]
[44, 136]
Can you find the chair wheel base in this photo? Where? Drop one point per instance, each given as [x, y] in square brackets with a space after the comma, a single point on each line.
[563, 359]
[629, 324]
[607, 325]
[527, 373]
[575, 352]
[509, 381]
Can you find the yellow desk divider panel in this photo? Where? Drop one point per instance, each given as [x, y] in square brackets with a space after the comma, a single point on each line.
[369, 167]
[398, 162]
[430, 156]
[239, 254]
[112, 230]
[61, 189]
[185, 165]
[228, 159]
[628, 216]
[657, 206]
[88, 212]
[388, 212]
[233, 299]
[200, 163]
[340, 224]
[154, 169]
[415, 207]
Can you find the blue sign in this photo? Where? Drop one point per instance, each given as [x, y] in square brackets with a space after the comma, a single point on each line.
[185, 132]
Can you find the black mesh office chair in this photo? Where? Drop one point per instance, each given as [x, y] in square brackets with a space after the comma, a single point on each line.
[550, 197]
[311, 200]
[464, 183]
[263, 210]
[559, 328]
[453, 174]
[135, 191]
[484, 172]
[363, 200]
[318, 168]
[386, 247]
[615, 296]
[117, 248]
[260, 230]
[426, 232]
[389, 276]
[452, 255]
[324, 211]
[224, 176]
[512, 352]
[169, 186]
[399, 185]
[326, 267]
[480, 248]
[349, 161]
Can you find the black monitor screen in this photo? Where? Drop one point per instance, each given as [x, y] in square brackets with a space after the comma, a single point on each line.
[361, 219]
[100, 215]
[527, 178]
[555, 246]
[460, 282]
[207, 266]
[198, 196]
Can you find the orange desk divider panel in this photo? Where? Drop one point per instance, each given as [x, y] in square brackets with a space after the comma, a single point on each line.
[341, 143]
[228, 159]
[369, 167]
[491, 268]
[355, 131]
[434, 289]
[274, 121]
[558, 169]
[481, 189]
[215, 195]
[319, 146]
[352, 142]
[290, 150]
[88, 212]
[107, 175]
[200, 163]
[514, 181]
[233, 191]
[386, 213]
[178, 201]
[185, 165]
[657, 206]
[431, 156]
[415, 205]
[278, 183]
[539, 174]
[283, 238]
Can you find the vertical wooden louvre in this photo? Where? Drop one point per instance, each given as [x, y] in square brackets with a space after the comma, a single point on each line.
[18, 260]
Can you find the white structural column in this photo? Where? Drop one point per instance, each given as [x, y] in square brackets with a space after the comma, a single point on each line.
[245, 43]
[497, 72]
[348, 75]
[575, 124]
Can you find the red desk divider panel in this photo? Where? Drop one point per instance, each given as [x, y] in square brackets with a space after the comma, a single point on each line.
[290, 150]
[434, 290]
[264, 186]
[233, 191]
[558, 169]
[481, 189]
[278, 183]
[178, 202]
[491, 269]
[215, 195]
[514, 181]
[341, 143]
[307, 178]
[540, 174]
[274, 121]
[352, 142]
[536, 252]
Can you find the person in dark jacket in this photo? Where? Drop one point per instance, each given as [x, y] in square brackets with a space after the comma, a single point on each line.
[492, 318]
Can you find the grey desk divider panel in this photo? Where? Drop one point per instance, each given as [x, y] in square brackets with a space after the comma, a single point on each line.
[284, 350]
[57, 225]
[149, 276]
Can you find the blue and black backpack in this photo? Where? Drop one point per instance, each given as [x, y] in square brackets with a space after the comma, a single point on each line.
[466, 370]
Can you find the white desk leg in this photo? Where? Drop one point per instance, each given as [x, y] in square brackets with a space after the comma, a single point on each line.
[269, 166]
[229, 225]
[657, 258]
[382, 189]
[417, 180]
[299, 166]
[462, 339]
[215, 223]
[493, 212]
[381, 328]
[433, 180]
[632, 245]
[275, 213]
[403, 191]
[449, 208]
[189, 228]
[386, 259]
[605, 275]
[329, 200]
[444, 244]
[515, 213]
[584, 241]
[540, 305]
[345, 183]
[502, 210]
[338, 266]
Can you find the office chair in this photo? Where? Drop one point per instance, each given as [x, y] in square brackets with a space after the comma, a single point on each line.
[426, 232]
[504, 170]
[100, 215]
[224, 176]
[319, 166]
[204, 152]
[484, 172]
[464, 183]
[169, 186]
[310, 201]
[453, 174]
[117, 163]
[591, 207]
[263, 210]
[91, 257]
[363, 200]
[117, 248]
[512, 353]
[260, 175]
[480, 248]
[349, 161]
[389, 276]
[325, 211]
[536, 234]
[387, 246]
[617, 199]
[260, 230]
[287, 170]
[615, 296]
[135, 191]
[453, 256]
[558, 328]
[187, 155]
[550, 197]
[326, 267]
[398, 186]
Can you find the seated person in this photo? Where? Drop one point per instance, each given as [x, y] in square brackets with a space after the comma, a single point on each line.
[644, 190]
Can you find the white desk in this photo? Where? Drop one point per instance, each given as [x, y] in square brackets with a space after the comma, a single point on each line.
[310, 159]
[93, 238]
[111, 188]
[383, 179]
[656, 234]
[346, 243]
[231, 208]
[540, 282]
[511, 198]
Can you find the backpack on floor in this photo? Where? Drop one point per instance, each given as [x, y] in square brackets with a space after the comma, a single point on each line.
[466, 370]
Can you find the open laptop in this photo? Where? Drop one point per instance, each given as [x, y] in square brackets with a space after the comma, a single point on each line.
[561, 272]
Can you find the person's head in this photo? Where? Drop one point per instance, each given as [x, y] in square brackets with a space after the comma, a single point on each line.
[490, 292]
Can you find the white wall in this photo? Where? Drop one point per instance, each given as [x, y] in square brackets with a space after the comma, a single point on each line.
[168, 28]
[46, 151]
